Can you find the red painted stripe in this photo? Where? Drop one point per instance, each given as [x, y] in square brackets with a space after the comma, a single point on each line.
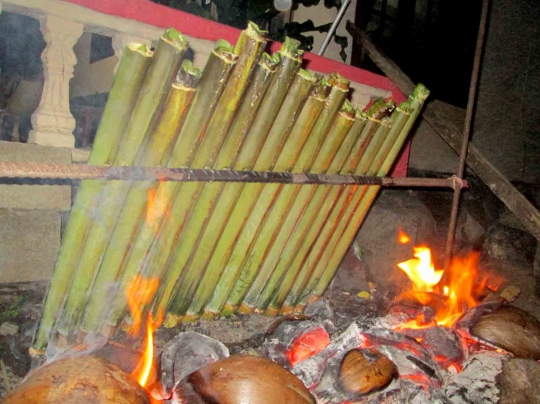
[192, 25]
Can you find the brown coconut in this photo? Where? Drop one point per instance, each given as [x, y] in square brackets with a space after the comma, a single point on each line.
[364, 371]
[248, 379]
[512, 329]
[81, 380]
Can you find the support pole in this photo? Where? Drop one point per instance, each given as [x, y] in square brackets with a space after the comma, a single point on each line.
[20, 170]
[466, 132]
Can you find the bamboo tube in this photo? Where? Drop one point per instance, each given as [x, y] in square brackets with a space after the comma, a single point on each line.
[371, 137]
[284, 122]
[164, 68]
[385, 161]
[300, 163]
[122, 99]
[209, 89]
[304, 122]
[269, 245]
[321, 203]
[189, 210]
[399, 118]
[301, 216]
[289, 63]
[199, 218]
[159, 213]
[157, 151]
[290, 59]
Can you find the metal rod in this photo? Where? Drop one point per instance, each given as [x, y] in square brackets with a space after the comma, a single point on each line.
[333, 27]
[466, 131]
[87, 172]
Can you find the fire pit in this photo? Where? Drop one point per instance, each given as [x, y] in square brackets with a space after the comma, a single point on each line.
[445, 339]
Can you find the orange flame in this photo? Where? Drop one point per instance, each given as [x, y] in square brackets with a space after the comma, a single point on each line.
[421, 271]
[140, 293]
[403, 237]
[156, 208]
[463, 285]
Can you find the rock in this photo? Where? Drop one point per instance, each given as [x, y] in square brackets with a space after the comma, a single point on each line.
[351, 275]
[509, 244]
[8, 329]
[519, 382]
[30, 241]
[378, 235]
[471, 230]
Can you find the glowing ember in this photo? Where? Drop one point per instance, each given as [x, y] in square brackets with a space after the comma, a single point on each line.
[307, 344]
[462, 285]
[140, 293]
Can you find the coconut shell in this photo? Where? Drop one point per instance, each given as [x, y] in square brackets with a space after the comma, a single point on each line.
[248, 379]
[364, 371]
[81, 380]
[512, 329]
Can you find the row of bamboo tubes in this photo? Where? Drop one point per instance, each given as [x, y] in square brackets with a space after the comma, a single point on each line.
[217, 248]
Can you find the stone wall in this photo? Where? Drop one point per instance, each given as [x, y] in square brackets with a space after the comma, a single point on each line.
[508, 112]
[31, 217]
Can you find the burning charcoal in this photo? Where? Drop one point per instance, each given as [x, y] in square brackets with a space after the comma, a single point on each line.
[186, 353]
[443, 344]
[365, 370]
[244, 379]
[310, 370]
[291, 342]
[81, 379]
[510, 328]
[413, 361]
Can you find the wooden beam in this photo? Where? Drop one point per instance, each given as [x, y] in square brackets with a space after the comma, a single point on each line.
[435, 116]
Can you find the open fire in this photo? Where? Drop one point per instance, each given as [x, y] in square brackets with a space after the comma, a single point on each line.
[450, 293]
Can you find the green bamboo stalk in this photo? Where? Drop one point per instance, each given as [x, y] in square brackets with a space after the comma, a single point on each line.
[321, 202]
[192, 238]
[284, 122]
[289, 63]
[384, 162]
[190, 210]
[208, 92]
[300, 218]
[205, 292]
[164, 68]
[371, 138]
[263, 258]
[399, 118]
[317, 129]
[156, 152]
[122, 99]
[160, 213]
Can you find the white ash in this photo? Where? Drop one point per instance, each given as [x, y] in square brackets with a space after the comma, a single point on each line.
[477, 382]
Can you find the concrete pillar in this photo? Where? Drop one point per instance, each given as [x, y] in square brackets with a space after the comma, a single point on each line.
[52, 122]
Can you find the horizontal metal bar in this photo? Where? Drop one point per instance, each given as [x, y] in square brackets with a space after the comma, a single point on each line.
[87, 172]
